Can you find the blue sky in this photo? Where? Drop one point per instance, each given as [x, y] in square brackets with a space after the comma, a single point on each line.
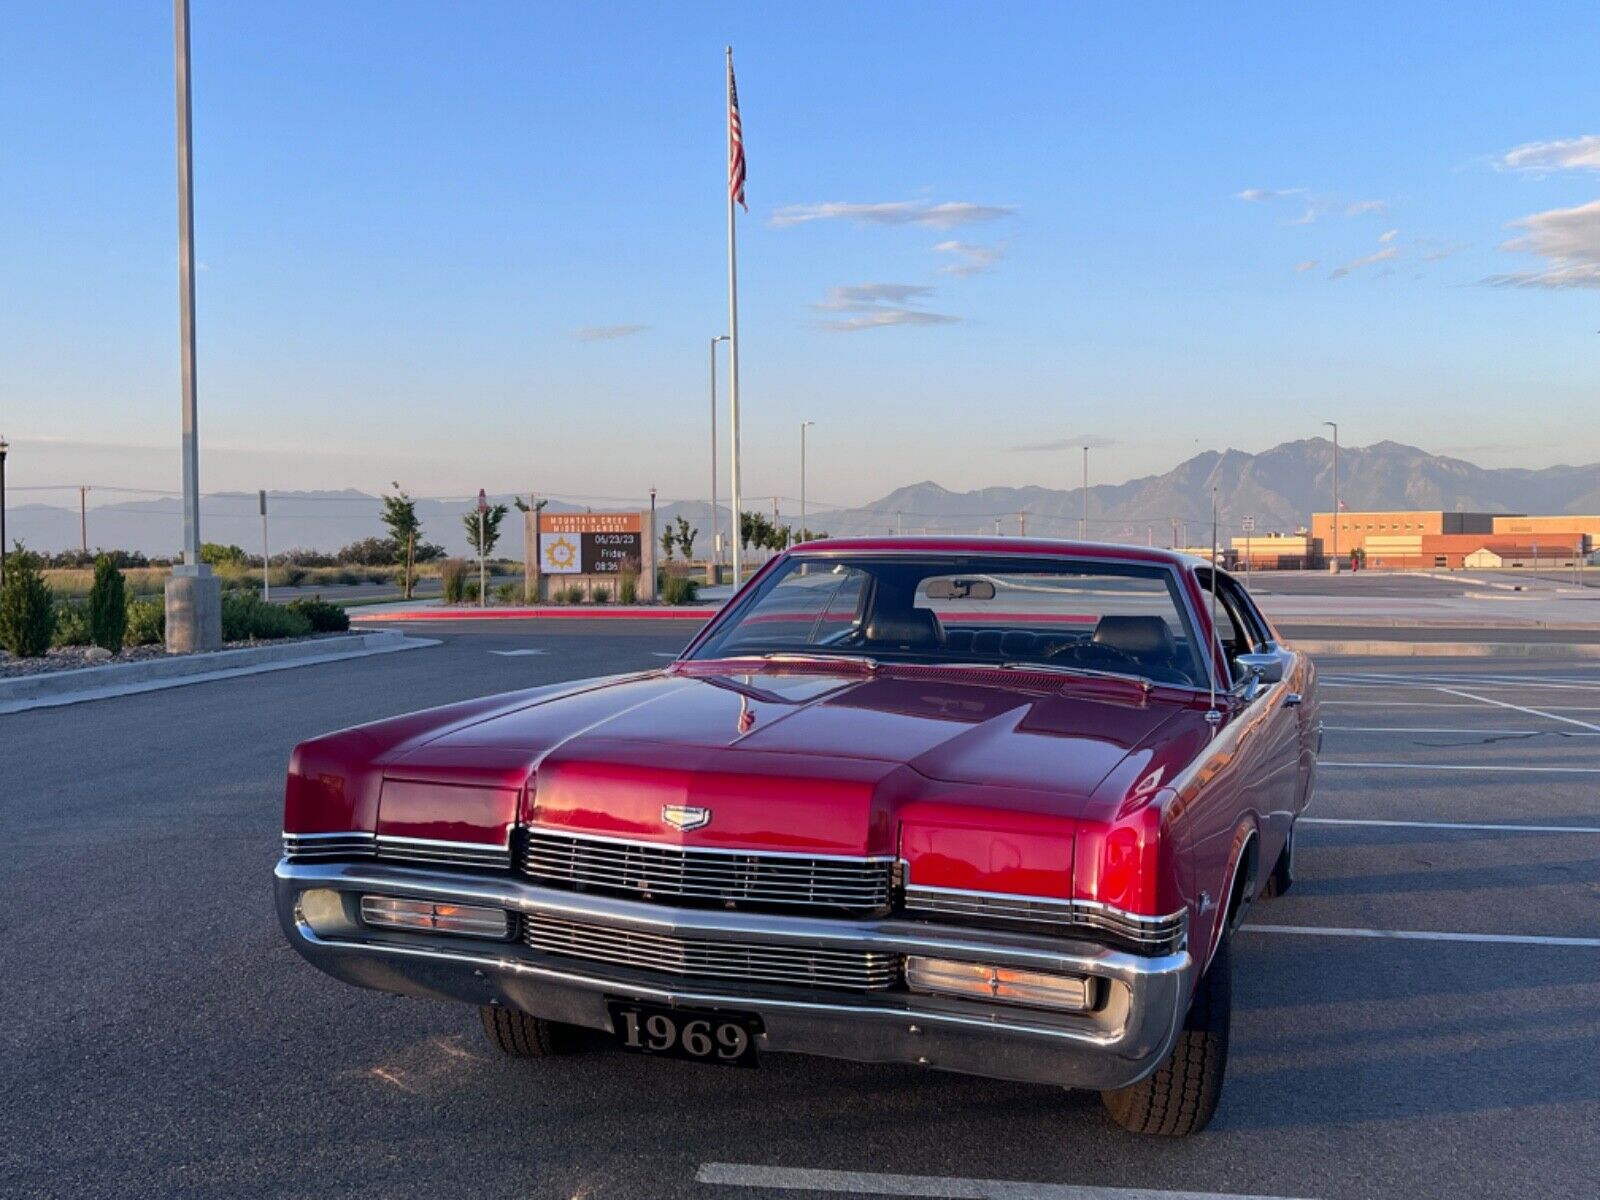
[416, 219]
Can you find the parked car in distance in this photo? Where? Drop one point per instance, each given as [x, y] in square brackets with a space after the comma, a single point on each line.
[986, 805]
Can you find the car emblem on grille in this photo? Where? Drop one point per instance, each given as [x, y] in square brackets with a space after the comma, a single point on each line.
[685, 816]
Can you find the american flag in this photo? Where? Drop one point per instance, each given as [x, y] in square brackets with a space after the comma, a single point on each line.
[735, 143]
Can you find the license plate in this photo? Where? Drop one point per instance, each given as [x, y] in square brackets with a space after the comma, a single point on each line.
[701, 1036]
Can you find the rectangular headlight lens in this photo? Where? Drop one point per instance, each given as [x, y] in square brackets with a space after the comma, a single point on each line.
[982, 981]
[469, 920]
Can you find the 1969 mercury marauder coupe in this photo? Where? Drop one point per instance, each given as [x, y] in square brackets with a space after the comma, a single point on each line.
[988, 805]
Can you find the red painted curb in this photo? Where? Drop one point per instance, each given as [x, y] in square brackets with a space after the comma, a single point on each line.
[523, 614]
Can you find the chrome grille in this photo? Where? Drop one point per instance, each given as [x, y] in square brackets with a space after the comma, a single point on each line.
[803, 966]
[455, 854]
[745, 879]
[1088, 917]
[311, 846]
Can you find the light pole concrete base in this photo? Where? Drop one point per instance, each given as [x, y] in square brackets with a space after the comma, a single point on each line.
[194, 610]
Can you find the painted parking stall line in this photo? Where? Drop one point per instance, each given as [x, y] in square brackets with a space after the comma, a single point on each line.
[1464, 826]
[938, 1187]
[1429, 935]
[1532, 712]
[1324, 764]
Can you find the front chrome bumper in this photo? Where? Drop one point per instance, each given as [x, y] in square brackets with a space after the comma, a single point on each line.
[1124, 1040]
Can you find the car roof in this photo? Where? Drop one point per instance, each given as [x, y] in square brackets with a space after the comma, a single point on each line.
[1021, 547]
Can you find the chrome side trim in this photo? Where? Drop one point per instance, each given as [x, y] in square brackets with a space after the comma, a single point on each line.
[559, 831]
[1157, 934]
[433, 850]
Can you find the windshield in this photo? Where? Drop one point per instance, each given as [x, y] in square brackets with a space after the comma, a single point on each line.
[1125, 619]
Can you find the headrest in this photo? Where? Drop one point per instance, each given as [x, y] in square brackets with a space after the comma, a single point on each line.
[909, 629]
[1142, 637]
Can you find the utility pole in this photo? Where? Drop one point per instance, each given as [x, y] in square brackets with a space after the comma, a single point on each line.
[1022, 523]
[1174, 533]
[83, 519]
[266, 556]
[997, 532]
[804, 425]
[483, 575]
[4, 446]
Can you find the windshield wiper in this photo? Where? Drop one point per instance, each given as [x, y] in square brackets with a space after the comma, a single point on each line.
[802, 656]
[1143, 681]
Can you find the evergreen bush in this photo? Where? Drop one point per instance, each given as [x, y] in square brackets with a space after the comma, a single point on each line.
[108, 605]
[27, 607]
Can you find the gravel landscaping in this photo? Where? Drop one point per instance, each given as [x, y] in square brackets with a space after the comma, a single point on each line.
[72, 658]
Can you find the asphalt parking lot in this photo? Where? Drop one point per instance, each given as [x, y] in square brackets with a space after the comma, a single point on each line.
[1419, 1017]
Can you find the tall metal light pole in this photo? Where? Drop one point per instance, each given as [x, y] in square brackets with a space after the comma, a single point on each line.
[1335, 427]
[194, 595]
[804, 425]
[1085, 534]
[716, 548]
[4, 446]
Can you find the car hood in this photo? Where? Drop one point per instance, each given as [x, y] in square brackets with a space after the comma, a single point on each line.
[813, 761]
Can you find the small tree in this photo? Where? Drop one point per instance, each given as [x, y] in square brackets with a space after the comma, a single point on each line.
[669, 539]
[108, 606]
[405, 531]
[217, 555]
[27, 607]
[686, 535]
[492, 516]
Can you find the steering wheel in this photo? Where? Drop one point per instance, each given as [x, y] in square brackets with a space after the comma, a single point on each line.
[1088, 653]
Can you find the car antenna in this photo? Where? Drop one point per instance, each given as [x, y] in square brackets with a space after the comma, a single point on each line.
[1214, 716]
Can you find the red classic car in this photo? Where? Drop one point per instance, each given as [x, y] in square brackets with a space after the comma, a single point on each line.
[987, 805]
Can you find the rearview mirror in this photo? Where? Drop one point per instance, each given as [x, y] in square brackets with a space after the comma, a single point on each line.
[960, 589]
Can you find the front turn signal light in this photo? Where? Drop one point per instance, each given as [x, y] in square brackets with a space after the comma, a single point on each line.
[468, 920]
[1037, 989]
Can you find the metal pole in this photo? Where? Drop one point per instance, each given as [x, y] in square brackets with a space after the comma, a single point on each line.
[1334, 426]
[191, 437]
[735, 481]
[83, 519]
[266, 554]
[803, 425]
[1085, 535]
[483, 578]
[716, 549]
[4, 446]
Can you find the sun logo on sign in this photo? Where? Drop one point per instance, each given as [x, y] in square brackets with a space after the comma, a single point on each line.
[560, 554]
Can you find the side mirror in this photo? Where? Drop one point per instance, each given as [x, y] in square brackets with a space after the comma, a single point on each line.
[1264, 666]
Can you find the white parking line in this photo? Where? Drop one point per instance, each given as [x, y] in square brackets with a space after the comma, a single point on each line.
[1388, 704]
[939, 1187]
[515, 653]
[1461, 729]
[1482, 681]
[1400, 766]
[1532, 712]
[1428, 935]
[1465, 825]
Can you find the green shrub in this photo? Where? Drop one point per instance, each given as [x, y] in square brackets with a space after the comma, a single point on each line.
[27, 607]
[72, 625]
[246, 615]
[147, 622]
[680, 589]
[324, 617]
[600, 595]
[572, 594]
[506, 593]
[108, 605]
[628, 589]
[453, 575]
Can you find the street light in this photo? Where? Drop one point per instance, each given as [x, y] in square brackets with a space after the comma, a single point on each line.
[804, 425]
[716, 547]
[1084, 536]
[1335, 427]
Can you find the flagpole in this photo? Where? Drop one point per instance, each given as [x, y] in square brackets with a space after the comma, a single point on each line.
[733, 350]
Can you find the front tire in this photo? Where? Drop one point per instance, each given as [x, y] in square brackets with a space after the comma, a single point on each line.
[523, 1036]
[1182, 1095]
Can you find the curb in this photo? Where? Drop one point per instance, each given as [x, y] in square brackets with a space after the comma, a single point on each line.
[55, 688]
[524, 614]
[1382, 649]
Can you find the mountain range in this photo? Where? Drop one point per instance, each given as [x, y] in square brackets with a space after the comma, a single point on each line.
[1279, 487]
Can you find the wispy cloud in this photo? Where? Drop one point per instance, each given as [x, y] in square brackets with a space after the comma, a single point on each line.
[878, 305]
[895, 212]
[1315, 205]
[1077, 441]
[1310, 264]
[1359, 207]
[1388, 235]
[1387, 254]
[1568, 239]
[970, 259]
[1257, 195]
[1571, 154]
[606, 333]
